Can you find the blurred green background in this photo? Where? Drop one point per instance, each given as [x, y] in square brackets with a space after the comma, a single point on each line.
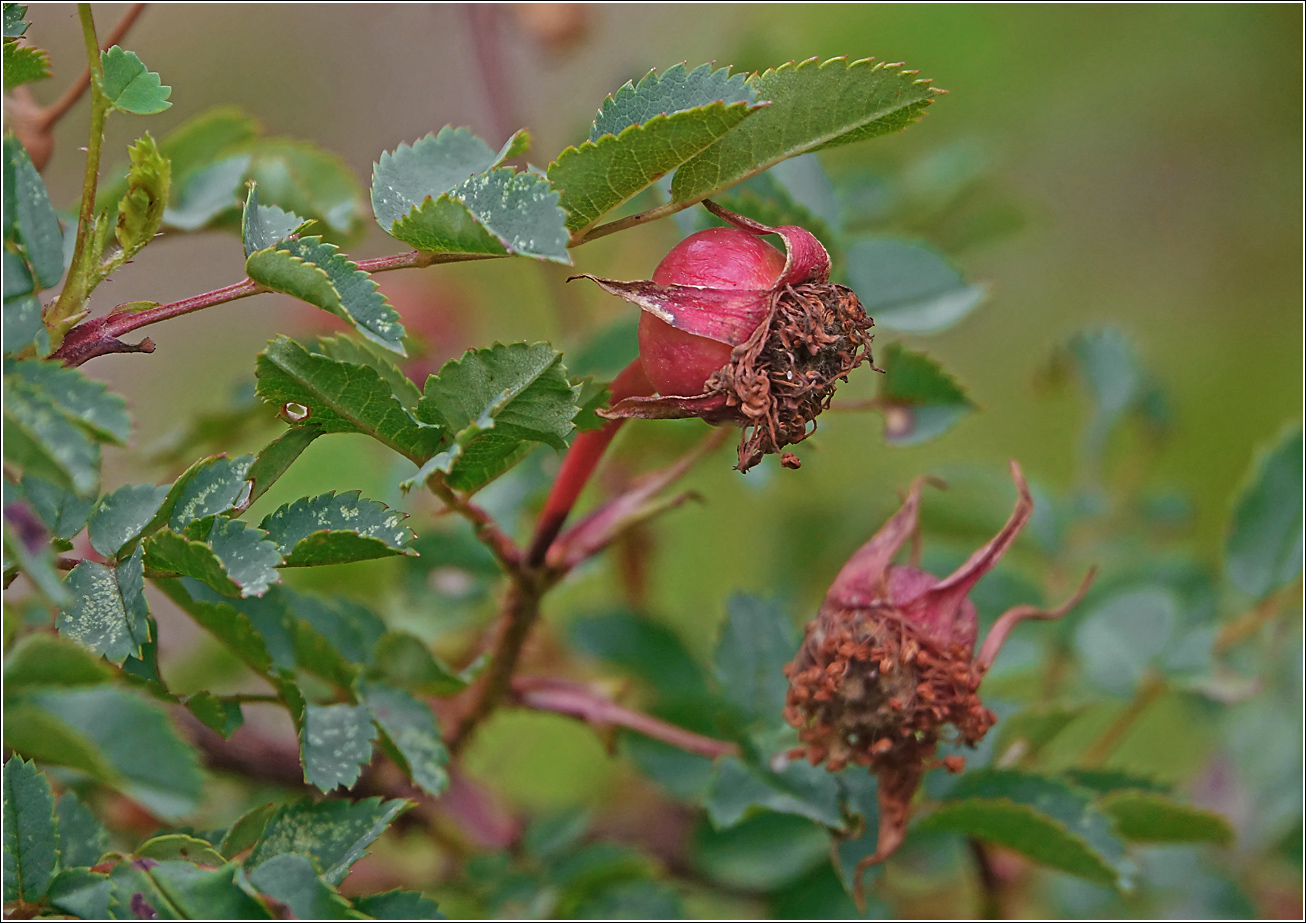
[1151, 152]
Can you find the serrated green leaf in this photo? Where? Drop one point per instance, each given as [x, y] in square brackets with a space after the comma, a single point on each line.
[332, 834]
[495, 214]
[82, 838]
[1264, 548]
[336, 744]
[336, 529]
[676, 89]
[87, 403]
[22, 320]
[757, 640]
[813, 106]
[140, 212]
[222, 715]
[1147, 817]
[1106, 781]
[47, 660]
[31, 841]
[130, 86]
[246, 831]
[17, 281]
[499, 397]
[24, 64]
[404, 178]
[14, 14]
[349, 628]
[34, 219]
[40, 440]
[108, 612]
[210, 487]
[207, 193]
[39, 735]
[341, 397]
[263, 226]
[316, 272]
[909, 287]
[122, 515]
[138, 750]
[918, 398]
[218, 616]
[410, 729]
[611, 167]
[800, 789]
[63, 512]
[81, 893]
[291, 880]
[362, 352]
[404, 660]
[765, 852]
[276, 458]
[229, 555]
[1046, 820]
[180, 846]
[410, 905]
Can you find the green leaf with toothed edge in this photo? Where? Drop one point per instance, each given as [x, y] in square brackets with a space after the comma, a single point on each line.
[89, 404]
[219, 617]
[108, 611]
[332, 834]
[122, 515]
[40, 440]
[130, 86]
[499, 213]
[219, 714]
[400, 905]
[494, 400]
[82, 838]
[405, 661]
[63, 512]
[81, 893]
[1147, 817]
[1053, 823]
[813, 106]
[229, 555]
[264, 226]
[34, 222]
[24, 64]
[674, 90]
[209, 487]
[800, 789]
[31, 842]
[292, 881]
[918, 398]
[405, 178]
[342, 397]
[757, 640]
[409, 729]
[362, 352]
[14, 25]
[22, 321]
[909, 287]
[335, 744]
[1264, 548]
[316, 272]
[336, 529]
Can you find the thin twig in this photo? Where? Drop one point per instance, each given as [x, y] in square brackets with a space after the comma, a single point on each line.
[59, 108]
[487, 530]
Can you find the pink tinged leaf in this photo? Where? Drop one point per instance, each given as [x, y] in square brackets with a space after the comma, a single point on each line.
[710, 407]
[805, 259]
[545, 693]
[1008, 620]
[943, 601]
[726, 316]
[641, 502]
[863, 580]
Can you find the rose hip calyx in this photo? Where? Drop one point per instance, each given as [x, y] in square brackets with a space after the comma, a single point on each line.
[733, 332]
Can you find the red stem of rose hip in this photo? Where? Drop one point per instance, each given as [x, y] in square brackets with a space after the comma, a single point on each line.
[579, 463]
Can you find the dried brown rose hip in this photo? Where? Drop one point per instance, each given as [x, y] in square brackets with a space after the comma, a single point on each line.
[735, 332]
[889, 663]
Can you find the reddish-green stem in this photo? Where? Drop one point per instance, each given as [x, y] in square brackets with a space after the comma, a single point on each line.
[59, 108]
[578, 465]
